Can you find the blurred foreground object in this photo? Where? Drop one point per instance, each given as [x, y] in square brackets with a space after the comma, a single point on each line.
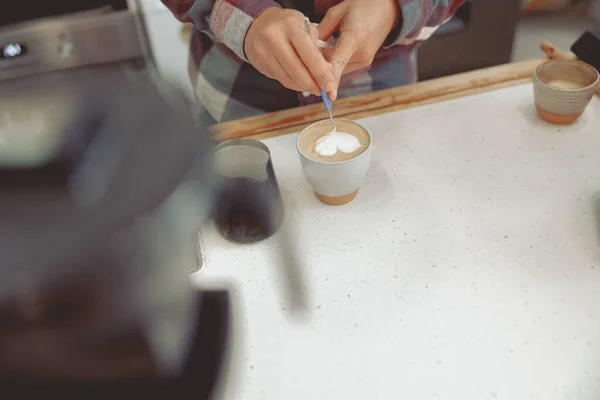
[587, 47]
[104, 181]
[93, 226]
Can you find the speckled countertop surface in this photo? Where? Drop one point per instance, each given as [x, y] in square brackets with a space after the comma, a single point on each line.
[467, 268]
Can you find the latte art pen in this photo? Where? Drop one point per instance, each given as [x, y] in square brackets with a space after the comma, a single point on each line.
[324, 95]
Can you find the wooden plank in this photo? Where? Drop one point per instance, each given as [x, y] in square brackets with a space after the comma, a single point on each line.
[379, 102]
[451, 96]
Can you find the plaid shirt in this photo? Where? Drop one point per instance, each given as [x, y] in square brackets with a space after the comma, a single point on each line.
[230, 88]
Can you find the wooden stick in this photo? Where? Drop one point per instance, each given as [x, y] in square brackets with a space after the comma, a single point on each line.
[554, 52]
[379, 102]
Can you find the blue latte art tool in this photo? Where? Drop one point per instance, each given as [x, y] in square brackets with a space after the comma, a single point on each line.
[328, 107]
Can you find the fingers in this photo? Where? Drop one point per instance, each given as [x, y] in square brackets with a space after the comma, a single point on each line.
[331, 22]
[341, 56]
[279, 46]
[270, 67]
[284, 78]
[293, 66]
[275, 72]
[313, 60]
[353, 66]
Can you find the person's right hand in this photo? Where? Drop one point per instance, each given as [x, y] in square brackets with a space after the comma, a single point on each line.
[278, 46]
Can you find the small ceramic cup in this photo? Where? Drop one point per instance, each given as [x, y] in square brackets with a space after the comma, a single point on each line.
[563, 89]
[336, 183]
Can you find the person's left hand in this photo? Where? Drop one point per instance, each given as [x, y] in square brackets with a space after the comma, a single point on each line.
[364, 26]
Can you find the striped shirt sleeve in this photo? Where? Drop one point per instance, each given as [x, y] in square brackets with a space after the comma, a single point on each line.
[225, 21]
[421, 18]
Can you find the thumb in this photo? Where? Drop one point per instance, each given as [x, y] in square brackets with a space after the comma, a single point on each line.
[331, 22]
[342, 54]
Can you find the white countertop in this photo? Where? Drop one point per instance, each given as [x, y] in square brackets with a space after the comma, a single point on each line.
[467, 268]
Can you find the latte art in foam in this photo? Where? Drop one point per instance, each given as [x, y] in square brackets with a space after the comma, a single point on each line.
[334, 141]
[321, 144]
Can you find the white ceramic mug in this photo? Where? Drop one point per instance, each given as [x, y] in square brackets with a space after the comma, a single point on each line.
[336, 183]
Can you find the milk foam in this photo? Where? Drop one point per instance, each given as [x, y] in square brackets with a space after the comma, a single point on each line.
[565, 84]
[334, 141]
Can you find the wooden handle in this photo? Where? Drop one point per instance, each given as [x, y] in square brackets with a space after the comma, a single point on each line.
[379, 102]
[554, 52]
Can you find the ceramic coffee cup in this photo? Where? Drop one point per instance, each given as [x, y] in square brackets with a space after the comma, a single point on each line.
[335, 182]
[563, 89]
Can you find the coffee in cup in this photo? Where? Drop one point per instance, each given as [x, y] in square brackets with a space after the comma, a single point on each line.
[335, 163]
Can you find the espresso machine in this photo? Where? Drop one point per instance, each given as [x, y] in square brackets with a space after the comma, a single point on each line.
[105, 176]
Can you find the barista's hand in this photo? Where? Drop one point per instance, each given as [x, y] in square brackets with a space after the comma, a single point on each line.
[364, 26]
[278, 46]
